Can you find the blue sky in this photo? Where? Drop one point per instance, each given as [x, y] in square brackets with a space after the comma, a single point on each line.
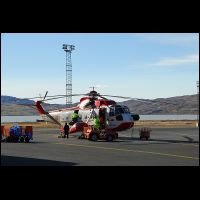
[139, 65]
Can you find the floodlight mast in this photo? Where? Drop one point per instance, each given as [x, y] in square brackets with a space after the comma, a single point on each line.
[68, 49]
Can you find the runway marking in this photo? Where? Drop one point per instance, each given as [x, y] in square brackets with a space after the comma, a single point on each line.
[131, 150]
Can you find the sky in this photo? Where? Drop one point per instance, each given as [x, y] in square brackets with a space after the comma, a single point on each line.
[138, 65]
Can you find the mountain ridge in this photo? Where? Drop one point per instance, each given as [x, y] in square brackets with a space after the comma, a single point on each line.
[186, 104]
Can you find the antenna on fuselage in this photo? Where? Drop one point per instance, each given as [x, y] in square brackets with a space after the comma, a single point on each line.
[92, 88]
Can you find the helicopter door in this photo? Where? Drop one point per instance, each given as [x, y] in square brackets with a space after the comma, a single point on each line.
[61, 118]
[102, 117]
[111, 120]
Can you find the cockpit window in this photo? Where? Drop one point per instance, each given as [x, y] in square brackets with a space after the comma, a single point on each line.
[112, 111]
[118, 109]
[126, 109]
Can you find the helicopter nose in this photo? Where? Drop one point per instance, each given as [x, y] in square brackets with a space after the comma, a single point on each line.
[135, 117]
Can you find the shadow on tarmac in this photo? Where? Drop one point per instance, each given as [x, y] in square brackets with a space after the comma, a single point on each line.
[21, 161]
[159, 141]
[29, 143]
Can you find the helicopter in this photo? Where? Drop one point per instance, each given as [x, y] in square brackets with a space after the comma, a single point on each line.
[113, 116]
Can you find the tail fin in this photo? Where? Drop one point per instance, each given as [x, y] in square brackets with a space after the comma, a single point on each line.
[39, 108]
[42, 112]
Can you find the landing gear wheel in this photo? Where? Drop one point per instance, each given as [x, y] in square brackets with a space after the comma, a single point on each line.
[8, 139]
[26, 139]
[93, 137]
[21, 139]
[81, 136]
[109, 138]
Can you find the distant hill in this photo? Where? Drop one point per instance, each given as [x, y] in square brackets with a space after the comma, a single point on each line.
[174, 105]
[11, 106]
[13, 100]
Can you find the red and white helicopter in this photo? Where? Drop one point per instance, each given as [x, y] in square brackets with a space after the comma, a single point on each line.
[112, 115]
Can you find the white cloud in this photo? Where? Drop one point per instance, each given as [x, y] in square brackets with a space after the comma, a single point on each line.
[188, 59]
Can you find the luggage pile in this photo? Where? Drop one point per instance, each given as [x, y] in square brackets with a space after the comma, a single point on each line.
[16, 133]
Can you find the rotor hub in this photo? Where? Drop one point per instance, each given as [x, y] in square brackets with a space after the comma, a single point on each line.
[93, 93]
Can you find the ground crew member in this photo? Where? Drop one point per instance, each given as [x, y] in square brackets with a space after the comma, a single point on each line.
[101, 121]
[96, 123]
[66, 130]
[74, 117]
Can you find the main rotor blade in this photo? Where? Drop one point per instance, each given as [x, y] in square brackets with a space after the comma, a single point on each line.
[63, 95]
[130, 98]
[52, 98]
[45, 95]
[58, 95]
[31, 98]
[117, 96]
[57, 122]
[103, 97]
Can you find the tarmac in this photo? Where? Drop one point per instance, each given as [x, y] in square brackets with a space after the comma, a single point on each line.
[166, 147]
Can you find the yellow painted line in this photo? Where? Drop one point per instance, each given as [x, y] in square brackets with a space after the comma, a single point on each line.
[130, 150]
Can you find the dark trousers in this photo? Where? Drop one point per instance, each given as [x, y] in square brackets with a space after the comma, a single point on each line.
[66, 134]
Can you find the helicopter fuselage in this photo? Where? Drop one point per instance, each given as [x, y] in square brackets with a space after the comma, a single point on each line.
[112, 116]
